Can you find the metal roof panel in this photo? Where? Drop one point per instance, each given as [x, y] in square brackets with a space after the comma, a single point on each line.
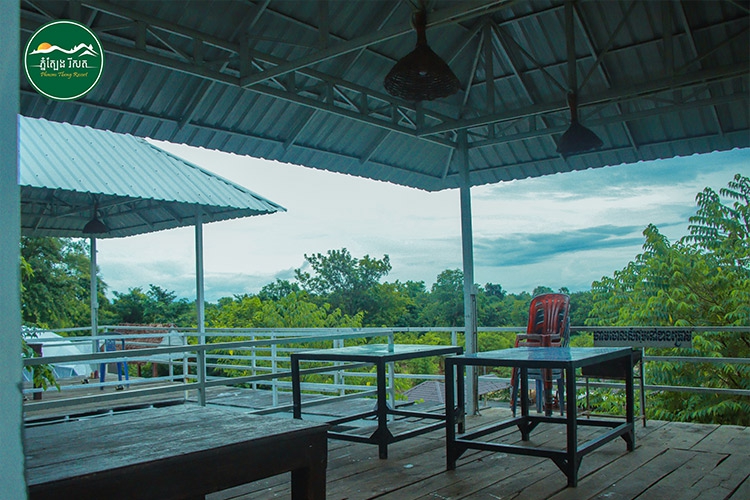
[301, 82]
[136, 186]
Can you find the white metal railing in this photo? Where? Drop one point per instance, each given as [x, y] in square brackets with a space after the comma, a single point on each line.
[264, 355]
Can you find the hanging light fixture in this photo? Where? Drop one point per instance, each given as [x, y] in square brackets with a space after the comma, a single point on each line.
[577, 139]
[95, 226]
[421, 75]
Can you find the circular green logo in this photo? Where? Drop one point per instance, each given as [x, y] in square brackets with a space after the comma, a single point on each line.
[63, 60]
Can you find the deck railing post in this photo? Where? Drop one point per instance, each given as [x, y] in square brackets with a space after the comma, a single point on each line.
[202, 374]
[391, 375]
[185, 363]
[254, 362]
[274, 389]
[338, 376]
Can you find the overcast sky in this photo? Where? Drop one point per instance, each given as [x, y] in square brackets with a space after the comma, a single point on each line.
[563, 230]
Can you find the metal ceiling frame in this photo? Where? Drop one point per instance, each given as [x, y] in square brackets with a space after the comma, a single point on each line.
[296, 82]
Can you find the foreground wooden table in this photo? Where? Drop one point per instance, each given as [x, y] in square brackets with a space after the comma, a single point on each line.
[180, 451]
[568, 359]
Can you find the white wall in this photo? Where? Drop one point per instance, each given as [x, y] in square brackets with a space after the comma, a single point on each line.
[12, 483]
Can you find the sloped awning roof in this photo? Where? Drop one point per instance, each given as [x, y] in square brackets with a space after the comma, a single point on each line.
[137, 187]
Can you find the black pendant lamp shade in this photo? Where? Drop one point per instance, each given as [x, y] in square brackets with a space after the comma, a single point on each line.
[421, 75]
[95, 226]
[577, 139]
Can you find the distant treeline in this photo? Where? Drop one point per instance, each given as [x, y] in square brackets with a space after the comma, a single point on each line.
[702, 279]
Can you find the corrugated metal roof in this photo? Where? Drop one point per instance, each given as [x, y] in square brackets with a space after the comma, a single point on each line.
[302, 82]
[137, 187]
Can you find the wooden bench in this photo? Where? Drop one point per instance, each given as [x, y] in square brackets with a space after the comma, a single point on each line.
[183, 451]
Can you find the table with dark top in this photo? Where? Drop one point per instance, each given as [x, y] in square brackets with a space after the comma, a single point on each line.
[183, 451]
[523, 358]
[379, 355]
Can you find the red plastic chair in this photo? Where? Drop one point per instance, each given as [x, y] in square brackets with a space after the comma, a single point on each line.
[549, 326]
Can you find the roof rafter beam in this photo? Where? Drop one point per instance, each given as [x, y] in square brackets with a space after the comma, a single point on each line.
[636, 91]
[539, 66]
[694, 48]
[607, 46]
[519, 76]
[454, 14]
[321, 103]
[161, 58]
[372, 148]
[599, 65]
[638, 115]
[472, 75]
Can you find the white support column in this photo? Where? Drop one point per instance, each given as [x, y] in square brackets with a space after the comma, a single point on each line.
[470, 313]
[199, 300]
[94, 292]
[12, 480]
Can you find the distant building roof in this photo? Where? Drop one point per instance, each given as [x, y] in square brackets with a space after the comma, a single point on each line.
[67, 171]
[434, 390]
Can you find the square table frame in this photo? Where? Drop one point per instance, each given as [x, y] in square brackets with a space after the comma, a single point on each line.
[568, 359]
[379, 355]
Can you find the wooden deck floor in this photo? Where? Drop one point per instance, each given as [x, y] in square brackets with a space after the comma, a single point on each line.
[671, 460]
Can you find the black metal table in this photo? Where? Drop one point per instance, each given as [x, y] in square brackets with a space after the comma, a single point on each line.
[379, 355]
[523, 358]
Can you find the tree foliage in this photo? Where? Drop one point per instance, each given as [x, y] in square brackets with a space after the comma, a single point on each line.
[703, 279]
[55, 282]
[343, 281]
[156, 305]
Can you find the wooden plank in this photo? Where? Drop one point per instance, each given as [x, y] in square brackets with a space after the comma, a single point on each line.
[478, 470]
[655, 440]
[356, 475]
[708, 476]
[519, 475]
[359, 465]
[640, 479]
[167, 433]
[174, 454]
[725, 437]
[681, 435]
[742, 492]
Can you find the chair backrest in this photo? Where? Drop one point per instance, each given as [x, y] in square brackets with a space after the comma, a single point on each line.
[549, 314]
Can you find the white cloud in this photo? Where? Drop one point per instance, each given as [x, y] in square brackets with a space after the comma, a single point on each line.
[589, 222]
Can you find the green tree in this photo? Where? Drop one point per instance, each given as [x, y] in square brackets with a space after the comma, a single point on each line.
[241, 311]
[156, 305]
[296, 311]
[701, 280]
[539, 290]
[278, 289]
[345, 282]
[293, 310]
[413, 297]
[445, 306]
[55, 282]
[580, 307]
